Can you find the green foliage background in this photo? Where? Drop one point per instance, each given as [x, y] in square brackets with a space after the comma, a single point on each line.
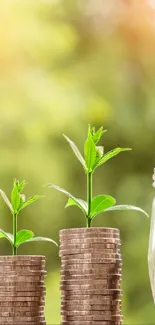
[64, 64]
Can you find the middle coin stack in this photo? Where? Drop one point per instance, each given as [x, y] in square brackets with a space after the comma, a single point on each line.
[91, 271]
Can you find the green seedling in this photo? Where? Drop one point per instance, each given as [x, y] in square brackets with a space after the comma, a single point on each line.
[94, 157]
[17, 203]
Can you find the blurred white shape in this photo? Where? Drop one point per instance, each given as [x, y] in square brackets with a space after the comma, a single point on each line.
[151, 252]
[151, 3]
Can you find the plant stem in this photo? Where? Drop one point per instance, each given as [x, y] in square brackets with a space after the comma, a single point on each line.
[14, 233]
[89, 197]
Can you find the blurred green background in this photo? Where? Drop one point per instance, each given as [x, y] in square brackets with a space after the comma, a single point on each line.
[64, 64]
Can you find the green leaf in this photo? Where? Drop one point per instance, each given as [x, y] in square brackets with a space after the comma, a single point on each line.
[76, 151]
[20, 186]
[30, 201]
[90, 153]
[41, 239]
[15, 198]
[7, 235]
[110, 155]
[6, 200]
[22, 236]
[97, 135]
[100, 203]
[126, 207]
[79, 202]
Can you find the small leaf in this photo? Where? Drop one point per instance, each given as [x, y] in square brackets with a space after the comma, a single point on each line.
[41, 239]
[126, 207]
[30, 201]
[97, 135]
[7, 235]
[100, 203]
[20, 186]
[78, 201]
[22, 236]
[76, 151]
[15, 198]
[5, 198]
[110, 155]
[90, 153]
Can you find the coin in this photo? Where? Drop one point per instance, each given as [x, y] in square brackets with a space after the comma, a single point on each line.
[20, 284]
[65, 307]
[90, 323]
[13, 293]
[72, 231]
[15, 308]
[72, 293]
[91, 300]
[26, 273]
[20, 262]
[84, 267]
[12, 322]
[92, 260]
[115, 237]
[92, 254]
[87, 313]
[89, 245]
[88, 251]
[20, 279]
[87, 240]
[89, 281]
[22, 288]
[22, 257]
[25, 320]
[25, 298]
[92, 317]
[91, 277]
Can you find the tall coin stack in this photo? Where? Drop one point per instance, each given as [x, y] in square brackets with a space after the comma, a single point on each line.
[22, 290]
[91, 271]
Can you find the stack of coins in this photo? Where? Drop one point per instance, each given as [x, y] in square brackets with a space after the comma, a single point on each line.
[22, 290]
[91, 272]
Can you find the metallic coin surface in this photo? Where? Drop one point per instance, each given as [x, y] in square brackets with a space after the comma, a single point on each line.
[105, 313]
[89, 294]
[88, 230]
[93, 317]
[90, 283]
[92, 261]
[91, 308]
[95, 254]
[93, 251]
[90, 323]
[86, 241]
[88, 245]
[18, 279]
[95, 300]
[26, 285]
[110, 237]
[22, 288]
[14, 293]
[24, 298]
[17, 273]
[101, 276]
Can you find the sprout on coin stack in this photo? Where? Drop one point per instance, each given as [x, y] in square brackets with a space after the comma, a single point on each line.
[91, 263]
[22, 287]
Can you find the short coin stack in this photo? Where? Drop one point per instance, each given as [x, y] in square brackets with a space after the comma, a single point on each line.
[91, 271]
[22, 290]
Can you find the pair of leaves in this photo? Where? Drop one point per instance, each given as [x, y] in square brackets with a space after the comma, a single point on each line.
[94, 155]
[23, 236]
[100, 203]
[18, 200]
